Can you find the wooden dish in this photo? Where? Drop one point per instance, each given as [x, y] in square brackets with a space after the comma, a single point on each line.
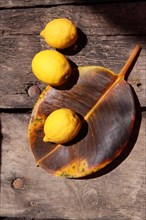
[105, 103]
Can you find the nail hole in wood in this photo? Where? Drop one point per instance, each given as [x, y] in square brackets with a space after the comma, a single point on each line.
[139, 84]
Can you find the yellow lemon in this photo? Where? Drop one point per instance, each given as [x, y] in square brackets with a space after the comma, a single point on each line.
[60, 33]
[61, 126]
[51, 67]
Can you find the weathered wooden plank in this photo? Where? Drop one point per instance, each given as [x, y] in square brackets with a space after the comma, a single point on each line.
[16, 75]
[111, 35]
[113, 19]
[119, 194]
[33, 3]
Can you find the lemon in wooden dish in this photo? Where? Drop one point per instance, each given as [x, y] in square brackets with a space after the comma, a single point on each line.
[51, 67]
[60, 33]
[61, 126]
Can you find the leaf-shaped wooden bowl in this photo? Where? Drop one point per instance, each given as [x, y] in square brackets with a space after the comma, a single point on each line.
[105, 102]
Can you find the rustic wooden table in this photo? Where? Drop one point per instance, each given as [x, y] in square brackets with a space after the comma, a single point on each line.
[110, 31]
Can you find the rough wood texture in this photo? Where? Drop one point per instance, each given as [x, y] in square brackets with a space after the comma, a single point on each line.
[33, 3]
[111, 35]
[119, 194]
[112, 30]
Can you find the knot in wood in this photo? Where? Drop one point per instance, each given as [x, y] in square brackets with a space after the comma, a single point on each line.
[34, 91]
[18, 183]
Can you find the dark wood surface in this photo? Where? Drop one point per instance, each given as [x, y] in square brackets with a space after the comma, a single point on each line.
[39, 3]
[111, 33]
[108, 33]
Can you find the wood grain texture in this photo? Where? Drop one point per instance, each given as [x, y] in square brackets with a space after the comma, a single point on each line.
[111, 35]
[119, 194]
[33, 3]
[112, 30]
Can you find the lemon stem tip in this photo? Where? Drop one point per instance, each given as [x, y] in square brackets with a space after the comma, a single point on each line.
[42, 33]
[45, 139]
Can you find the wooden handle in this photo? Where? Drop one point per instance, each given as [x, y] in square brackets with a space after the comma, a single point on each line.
[131, 60]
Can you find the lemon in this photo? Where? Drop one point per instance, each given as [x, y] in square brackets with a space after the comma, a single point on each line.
[51, 67]
[60, 33]
[61, 126]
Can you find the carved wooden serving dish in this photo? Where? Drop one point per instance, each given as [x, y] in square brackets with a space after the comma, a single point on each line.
[105, 103]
